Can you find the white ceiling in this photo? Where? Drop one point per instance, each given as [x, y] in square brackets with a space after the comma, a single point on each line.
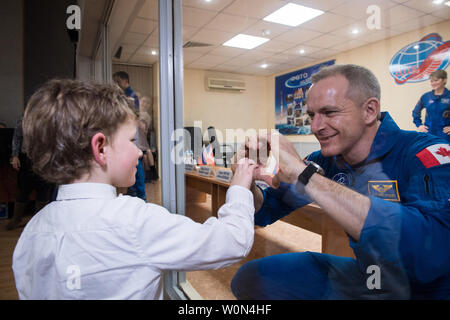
[217, 21]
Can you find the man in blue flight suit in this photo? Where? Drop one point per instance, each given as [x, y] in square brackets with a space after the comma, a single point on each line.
[122, 79]
[388, 188]
[437, 105]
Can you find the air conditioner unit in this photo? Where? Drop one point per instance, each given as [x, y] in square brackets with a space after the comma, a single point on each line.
[225, 84]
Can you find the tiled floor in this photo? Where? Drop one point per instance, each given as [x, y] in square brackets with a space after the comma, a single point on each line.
[279, 237]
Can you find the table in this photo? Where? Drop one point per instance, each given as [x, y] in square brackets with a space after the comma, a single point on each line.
[310, 217]
[206, 185]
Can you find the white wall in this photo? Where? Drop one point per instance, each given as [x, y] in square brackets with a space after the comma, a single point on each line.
[398, 100]
[225, 109]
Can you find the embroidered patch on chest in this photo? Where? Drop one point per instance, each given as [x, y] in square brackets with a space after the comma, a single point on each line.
[386, 190]
[435, 155]
[342, 178]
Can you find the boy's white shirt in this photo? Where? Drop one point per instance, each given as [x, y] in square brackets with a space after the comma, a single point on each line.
[92, 244]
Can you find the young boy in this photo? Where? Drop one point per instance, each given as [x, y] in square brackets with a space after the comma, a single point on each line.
[91, 243]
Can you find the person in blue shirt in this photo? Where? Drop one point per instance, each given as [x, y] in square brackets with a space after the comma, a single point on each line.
[437, 105]
[388, 188]
[122, 79]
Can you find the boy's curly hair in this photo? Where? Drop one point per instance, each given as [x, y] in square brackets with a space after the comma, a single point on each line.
[60, 120]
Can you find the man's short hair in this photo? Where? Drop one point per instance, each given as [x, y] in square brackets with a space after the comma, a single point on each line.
[362, 82]
[60, 120]
[122, 75]
[439, 74]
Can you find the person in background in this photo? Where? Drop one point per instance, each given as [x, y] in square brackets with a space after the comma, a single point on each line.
[147, 158]
[27, 181]
[145, 123]
[122, 79]
[91, 243]
[145, 113]
[437, 105]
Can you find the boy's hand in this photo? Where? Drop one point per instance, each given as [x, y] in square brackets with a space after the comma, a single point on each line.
[422, 128]
[243, 173]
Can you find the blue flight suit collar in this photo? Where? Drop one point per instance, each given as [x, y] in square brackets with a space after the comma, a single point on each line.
[384, 141]
[386, 137]
[438, 96]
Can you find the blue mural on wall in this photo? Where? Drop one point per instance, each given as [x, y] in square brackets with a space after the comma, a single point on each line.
[290, 102]
[416, 61]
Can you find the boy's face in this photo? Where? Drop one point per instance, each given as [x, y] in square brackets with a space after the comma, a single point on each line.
[123, 156]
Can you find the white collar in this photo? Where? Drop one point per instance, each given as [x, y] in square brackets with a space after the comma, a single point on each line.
[76, 191]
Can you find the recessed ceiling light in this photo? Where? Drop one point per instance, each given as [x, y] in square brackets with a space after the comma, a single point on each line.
[264, 65]
[302, 51]
[355, 31]
[154, 52]
[438, 1]
[293, 15]
[245, 41]
[447, 3]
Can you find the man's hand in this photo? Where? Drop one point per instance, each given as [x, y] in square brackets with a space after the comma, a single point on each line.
[447, 130]
[422, 128]
[289, 162]
[15, 162]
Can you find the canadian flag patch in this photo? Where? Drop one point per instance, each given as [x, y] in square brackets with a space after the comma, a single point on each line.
[435, 155]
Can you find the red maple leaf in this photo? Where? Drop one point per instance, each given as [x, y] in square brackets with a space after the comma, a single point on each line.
[443, 152]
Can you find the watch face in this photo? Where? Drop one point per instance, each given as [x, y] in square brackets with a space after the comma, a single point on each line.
[319, 168]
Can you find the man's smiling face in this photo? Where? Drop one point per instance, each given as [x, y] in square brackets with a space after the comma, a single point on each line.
[337, 122]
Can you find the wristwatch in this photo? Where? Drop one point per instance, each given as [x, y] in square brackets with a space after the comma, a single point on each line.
[311, 168]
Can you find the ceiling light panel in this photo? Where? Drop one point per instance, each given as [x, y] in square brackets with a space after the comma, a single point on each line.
[245, 41]
[293, 15]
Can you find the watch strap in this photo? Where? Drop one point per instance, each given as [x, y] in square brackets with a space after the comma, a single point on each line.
[307, 174]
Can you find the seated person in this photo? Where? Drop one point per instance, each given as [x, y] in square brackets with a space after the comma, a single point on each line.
[91, 243]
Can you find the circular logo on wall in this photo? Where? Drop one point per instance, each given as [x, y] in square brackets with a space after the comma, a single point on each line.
[416, 61]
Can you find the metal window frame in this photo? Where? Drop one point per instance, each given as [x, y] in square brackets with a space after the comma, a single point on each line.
[176, 286]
